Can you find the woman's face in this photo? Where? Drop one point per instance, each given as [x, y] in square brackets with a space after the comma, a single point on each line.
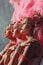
[9, 30]
[25, 28]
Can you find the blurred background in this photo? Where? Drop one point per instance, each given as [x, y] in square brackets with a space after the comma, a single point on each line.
[6, 11]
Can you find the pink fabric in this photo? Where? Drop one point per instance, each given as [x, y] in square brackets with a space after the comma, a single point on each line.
[26, 8]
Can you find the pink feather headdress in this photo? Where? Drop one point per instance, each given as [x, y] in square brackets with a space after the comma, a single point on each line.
[26, 8]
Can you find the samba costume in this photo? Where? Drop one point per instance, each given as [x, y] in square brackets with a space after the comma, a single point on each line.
[25, 34]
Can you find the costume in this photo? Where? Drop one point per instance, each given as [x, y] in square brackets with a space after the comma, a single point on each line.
[26, 8]
[25, 34]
